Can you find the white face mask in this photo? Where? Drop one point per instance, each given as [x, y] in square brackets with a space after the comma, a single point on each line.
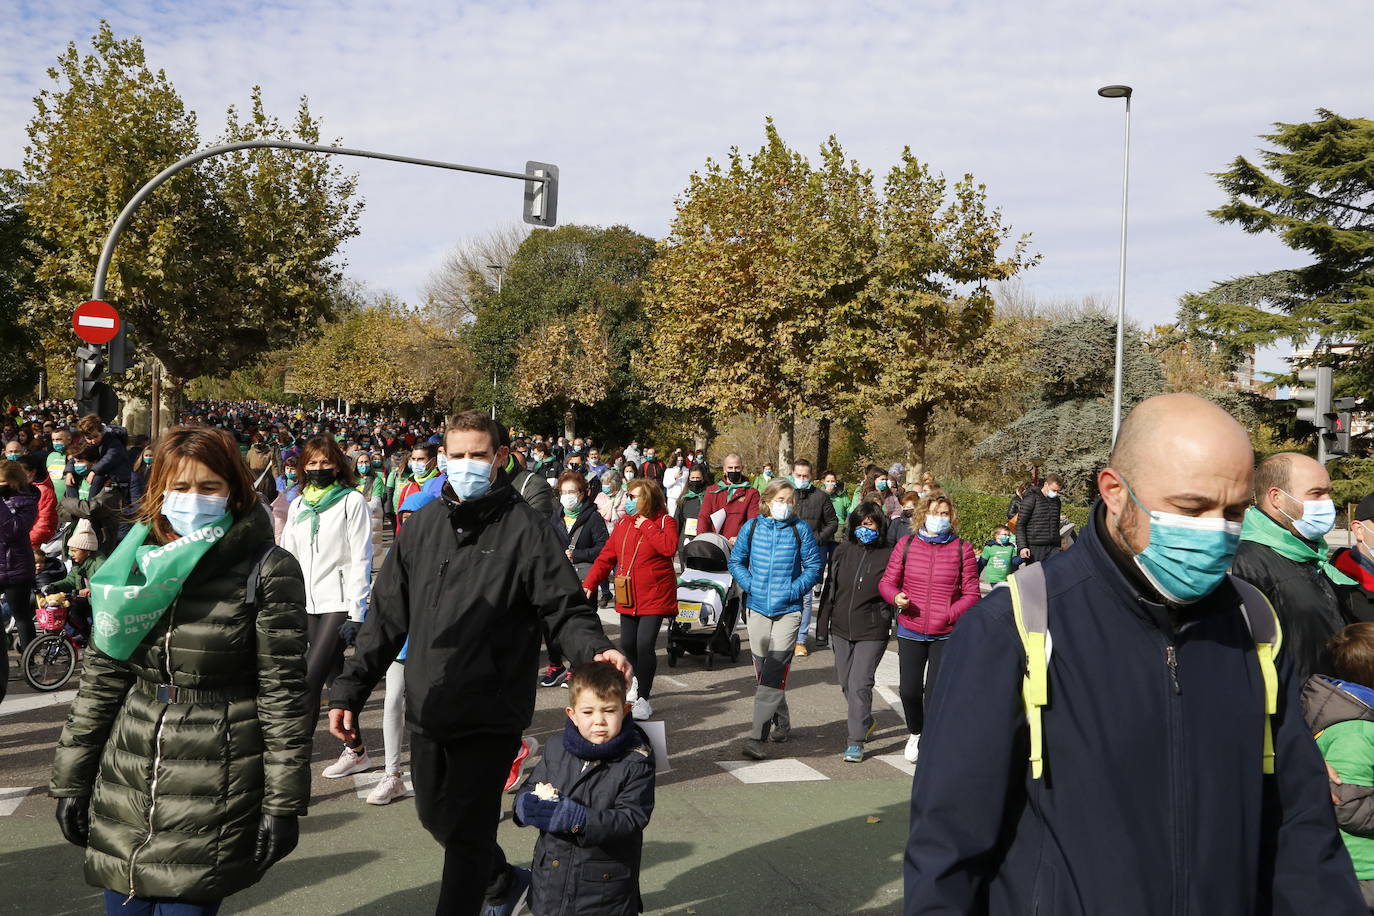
[782, 509]
[570, 500]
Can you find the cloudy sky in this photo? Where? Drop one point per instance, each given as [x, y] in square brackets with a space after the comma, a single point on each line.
[628, 98]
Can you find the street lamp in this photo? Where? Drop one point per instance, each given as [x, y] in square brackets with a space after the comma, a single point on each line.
[1121, 92]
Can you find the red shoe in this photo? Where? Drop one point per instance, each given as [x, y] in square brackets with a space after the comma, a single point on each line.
[524, 760]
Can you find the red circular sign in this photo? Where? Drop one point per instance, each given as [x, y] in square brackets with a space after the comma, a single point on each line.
[95, 322]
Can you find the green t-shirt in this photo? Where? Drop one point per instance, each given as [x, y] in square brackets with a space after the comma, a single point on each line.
[998, 566]
[1349, 747]
[57, 467]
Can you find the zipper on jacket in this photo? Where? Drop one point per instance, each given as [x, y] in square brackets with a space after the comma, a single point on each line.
[854, 594]
[157, 752]
[1177, 774]
[341, 586]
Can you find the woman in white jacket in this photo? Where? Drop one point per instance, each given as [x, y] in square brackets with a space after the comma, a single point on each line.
[329, 531]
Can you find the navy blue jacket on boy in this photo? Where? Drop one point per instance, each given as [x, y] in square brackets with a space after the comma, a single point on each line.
[595, 871]
[1153, 799]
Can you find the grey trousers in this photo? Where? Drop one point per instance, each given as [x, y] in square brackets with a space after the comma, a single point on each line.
[856, 664]
[771, 644]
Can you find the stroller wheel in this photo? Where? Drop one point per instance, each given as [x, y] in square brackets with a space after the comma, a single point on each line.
[734, 647]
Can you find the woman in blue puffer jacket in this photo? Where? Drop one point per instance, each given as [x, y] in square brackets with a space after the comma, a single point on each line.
[776, 561]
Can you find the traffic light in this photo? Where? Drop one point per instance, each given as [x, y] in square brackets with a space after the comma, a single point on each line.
[119, 350]
[1319, 414]
[541, 197]
[1340, 429]
[93, 395]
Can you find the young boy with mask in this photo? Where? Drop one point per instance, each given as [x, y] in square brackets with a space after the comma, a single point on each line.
[999, 558]
[591, 797]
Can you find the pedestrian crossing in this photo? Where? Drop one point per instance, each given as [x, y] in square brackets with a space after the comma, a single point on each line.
[10, 798]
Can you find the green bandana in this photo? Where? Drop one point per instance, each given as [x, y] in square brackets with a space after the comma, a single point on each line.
[1261, 529]
[315, 500]
[129, 602]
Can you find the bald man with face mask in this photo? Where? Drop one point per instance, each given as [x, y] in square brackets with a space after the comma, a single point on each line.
[1153, 796]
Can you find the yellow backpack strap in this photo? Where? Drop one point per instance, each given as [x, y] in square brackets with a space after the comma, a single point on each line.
[1030, 607]
[1268, 636]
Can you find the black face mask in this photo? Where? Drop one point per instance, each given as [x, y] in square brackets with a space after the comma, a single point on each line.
[735, 476]
[321, 477]
[696, 486]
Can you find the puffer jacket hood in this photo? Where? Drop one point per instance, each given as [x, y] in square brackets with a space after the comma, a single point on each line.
[776, 562]
[177, 788]
[1327, 701]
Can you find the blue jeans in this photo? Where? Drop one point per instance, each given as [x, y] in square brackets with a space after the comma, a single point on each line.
[807, 601]
[156, 906]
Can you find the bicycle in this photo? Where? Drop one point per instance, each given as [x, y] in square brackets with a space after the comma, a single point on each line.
[50, 660]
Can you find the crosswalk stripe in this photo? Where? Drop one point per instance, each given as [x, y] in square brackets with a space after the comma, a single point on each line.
[785, 770]
[26, 702]
[10, 798]
[898, 761]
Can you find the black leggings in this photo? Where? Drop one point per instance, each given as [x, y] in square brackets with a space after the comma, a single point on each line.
[638, 642]
[918, 664]
[323, 661]
[20, 600]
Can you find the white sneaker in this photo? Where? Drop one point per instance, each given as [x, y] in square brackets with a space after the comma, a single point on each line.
[391, 787]
[641, 709]
[913, 745]
[634, 690]
[348, 763]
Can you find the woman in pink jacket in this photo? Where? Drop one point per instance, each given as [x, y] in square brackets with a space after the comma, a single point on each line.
[932, 578]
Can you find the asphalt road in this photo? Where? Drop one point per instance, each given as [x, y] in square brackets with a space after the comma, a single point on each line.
[802, 833]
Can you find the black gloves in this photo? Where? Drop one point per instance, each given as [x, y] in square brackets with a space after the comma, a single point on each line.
[277, 836]
[348, 632]
[74, 818]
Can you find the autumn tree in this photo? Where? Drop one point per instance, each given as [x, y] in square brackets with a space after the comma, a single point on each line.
[786, 287]
[568, 363]
[761, 249]
[470, 272]
[226, 260]
[18, 343]
[555, 275]
[1314, 189]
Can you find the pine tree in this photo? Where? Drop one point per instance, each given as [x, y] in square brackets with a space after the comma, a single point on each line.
[1315, 189]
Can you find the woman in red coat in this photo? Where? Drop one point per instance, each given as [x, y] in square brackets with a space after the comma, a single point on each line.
[641, 549]
[932, 578]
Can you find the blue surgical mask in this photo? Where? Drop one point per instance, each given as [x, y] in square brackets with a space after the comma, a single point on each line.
[606, 488]
[631, 506]
[443, 464]
[147, 460]
[418, 468]
[290, 476]
[866, 535]
[364, 467]
[883, 485]
[937, 524]
[78, 469]
[59, 447]
[1003, 541]
[469, 478]
[1187, 557]
[801, 484]
[1318, 517]
[186, 512]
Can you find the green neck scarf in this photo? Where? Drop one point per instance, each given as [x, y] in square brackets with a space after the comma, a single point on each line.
[315, 500]
[136, 585]
[1261, 529]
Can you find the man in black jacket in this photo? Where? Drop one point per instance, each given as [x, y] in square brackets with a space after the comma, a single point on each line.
[470, 580]
[1037, 523]
[1153, 797]
[1283, 553]
[818, 512]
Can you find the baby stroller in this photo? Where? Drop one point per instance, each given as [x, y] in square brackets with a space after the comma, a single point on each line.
[707, 604]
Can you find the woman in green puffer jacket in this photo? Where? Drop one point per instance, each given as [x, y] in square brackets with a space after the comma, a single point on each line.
[184, 762]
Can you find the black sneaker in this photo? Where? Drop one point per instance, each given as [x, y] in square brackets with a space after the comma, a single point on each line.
[753, 749]
[781, 730]
[554, 676]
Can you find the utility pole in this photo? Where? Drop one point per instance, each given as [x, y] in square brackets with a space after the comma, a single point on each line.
[500, 269]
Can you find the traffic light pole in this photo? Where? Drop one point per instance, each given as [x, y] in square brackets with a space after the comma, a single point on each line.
[541, 188]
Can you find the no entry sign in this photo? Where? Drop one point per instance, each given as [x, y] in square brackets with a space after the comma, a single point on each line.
[95, 322]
